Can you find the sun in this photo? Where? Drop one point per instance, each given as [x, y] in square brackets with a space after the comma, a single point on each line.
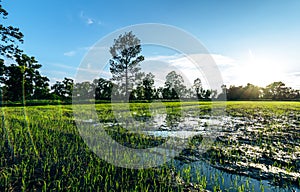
[260, 69]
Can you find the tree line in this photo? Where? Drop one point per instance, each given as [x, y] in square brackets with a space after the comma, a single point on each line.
[21, 80]
[274, 91]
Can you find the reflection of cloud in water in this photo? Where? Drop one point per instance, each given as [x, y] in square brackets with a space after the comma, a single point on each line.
[190, 126]
[179, 134]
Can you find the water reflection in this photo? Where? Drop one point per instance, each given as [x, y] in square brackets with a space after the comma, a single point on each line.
[224, 180]
[173, 117]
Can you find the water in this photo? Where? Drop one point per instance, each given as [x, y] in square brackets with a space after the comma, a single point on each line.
[178, 134]
[191, 126]
[188, 126]
[226, 181]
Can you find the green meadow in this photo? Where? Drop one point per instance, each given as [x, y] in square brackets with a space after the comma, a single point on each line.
[42, 148]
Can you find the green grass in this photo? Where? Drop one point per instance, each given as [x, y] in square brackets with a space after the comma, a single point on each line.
[41, 148]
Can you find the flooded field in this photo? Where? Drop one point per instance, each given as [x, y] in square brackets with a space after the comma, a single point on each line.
[258, 141]
[239, 146]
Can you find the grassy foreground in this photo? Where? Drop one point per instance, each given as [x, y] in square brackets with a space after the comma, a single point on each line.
[41, 148]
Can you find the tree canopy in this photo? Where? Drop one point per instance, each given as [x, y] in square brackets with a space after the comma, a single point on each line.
[22, 80]
[125, 61]
[174, 86]
[9, 36]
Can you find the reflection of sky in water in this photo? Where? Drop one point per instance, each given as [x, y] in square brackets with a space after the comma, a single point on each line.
[179, 134]
[227, 181]
[188, 126]
[176, 126]
[191, 126]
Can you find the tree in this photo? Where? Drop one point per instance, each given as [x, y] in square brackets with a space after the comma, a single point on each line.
[63, 90]
[2, 72]
[68, 87]
[214, 94]
[207, 94]
[159, 93]
[276, 91]
[138, 89]
[13, 78]
[20, 80]
[24, 81]
[251, 92]
[234, 92]
[125, 61]
[41, 90]
[223, 95]
[148, 85]
[189, 93]
[84, 90]
[34, 83]
[174, 87]
[103, 89]
[137, 93]
[9, 36]
[144, 89]
[198, 88]
[57, 89]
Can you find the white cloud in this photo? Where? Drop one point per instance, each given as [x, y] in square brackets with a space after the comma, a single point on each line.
[261, 68]
[70, 53]
[86, 72]
[64, 66]
[295, 74]
[186, 61]
[89, 74]
[293, 80]
[163, 57]
[94, 48]
[194, 66]
[257, 69]
[222, 60]
[84, 49]
[89, 20]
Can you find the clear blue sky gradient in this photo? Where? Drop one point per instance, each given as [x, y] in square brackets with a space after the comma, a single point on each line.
[58, 32]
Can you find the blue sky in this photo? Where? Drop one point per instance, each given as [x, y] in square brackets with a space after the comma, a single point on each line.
[251, 41]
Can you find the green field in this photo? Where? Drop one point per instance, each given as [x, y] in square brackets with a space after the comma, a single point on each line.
[42, 148]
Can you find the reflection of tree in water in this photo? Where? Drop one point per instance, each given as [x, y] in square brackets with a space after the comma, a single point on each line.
[142, 115]
[166, 116]
[173, 117]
